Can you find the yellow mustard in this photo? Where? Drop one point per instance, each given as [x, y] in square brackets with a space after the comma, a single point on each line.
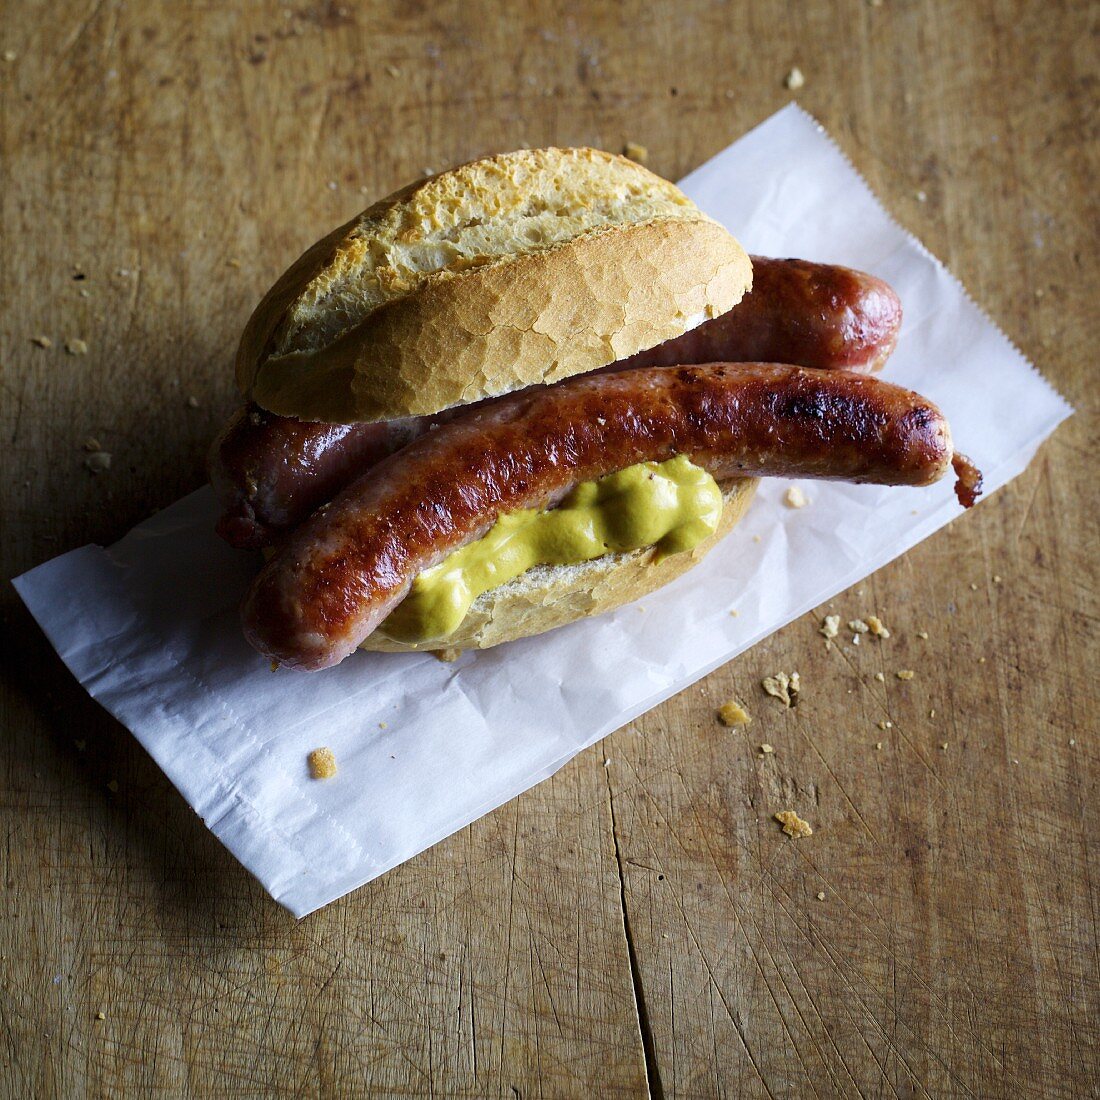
[672, 505]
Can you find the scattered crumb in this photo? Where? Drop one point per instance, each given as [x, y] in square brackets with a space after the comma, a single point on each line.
[877, 627]
[274, 666]
[636, 152]
[101, 1015]
[830, 626]
[192, 402]
[922, 196]
[91, 444]
[607, 762]
[973, 588]
[783, 687]
[885, 724]
[322, 764]
[881, 677]
[765, 749]
[42, 341]
[821, 895]
[878, 745]
[234, 262]
[81, 744]
[735, 613]
[923, 635]
[932, 713]
[84, 293]
[943, 746]
[794, 79]
[123, 272]
[906, 674]
[794, 497]
[793, 825]
[447, 655]
[855, 639]
[981, 660]
[755, 538]
[1015, 761]
[859, 626]
[112, 786]
[997, 578]
[76, 347]
[1072, 741]
[98, 462]
[383, 725]
[733, 714]
[393, 70]
[332, 185]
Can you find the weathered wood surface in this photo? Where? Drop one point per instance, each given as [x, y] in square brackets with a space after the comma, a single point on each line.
[639, 926]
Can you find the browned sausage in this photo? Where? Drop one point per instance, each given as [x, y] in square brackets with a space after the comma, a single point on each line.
[811, 315]
[270, 472]
[338, 575]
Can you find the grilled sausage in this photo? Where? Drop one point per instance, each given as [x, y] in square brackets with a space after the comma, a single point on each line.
[271, 472]
[338, 575]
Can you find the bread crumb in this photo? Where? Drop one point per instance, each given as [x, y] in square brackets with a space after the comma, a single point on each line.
[322, 764]
[943, 746]
[794, 497]
[80, 744]
[906, 674]
[793, 825]
[233, 262]
[885, 724]
[607, 762]
[635, 152]
[855, 639]
[932, 713]
[877, 627]
[858, 625]
[1072, 741]
[733, 714]
[101, 1015]
[393, 70]
[821, 895]
[734, 613]
[76, 347]
[112, 786]
[98, 462]
[830, 626]
[192, 402]
[765, 749]
[447, 655]
[92, 444]
[783, 687]
[973, 588]
[332, 185]
[981, 660]
[881, 677]
[997, 578]
[42, 341]
[383, 725]
[755, 538]
[878, 745]
[794, 79]
[922, 196]
[923, 635]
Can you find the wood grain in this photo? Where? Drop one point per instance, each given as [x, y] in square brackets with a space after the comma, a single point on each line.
[636, 927]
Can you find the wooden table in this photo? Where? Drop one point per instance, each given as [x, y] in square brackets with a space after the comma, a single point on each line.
[637, 926]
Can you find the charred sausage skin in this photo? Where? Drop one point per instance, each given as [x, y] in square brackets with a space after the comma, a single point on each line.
[337, 576]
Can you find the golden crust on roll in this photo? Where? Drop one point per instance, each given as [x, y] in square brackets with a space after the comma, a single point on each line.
[551, 596]
[513, 270]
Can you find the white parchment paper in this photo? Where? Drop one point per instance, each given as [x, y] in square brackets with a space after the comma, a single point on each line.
[149, 625]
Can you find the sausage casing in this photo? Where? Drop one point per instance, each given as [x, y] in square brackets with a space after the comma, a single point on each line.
[337, 576]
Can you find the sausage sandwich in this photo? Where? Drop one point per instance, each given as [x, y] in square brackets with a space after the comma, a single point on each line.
[530, 389]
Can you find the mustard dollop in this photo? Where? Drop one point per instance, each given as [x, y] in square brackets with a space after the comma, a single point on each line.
[672, 506]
